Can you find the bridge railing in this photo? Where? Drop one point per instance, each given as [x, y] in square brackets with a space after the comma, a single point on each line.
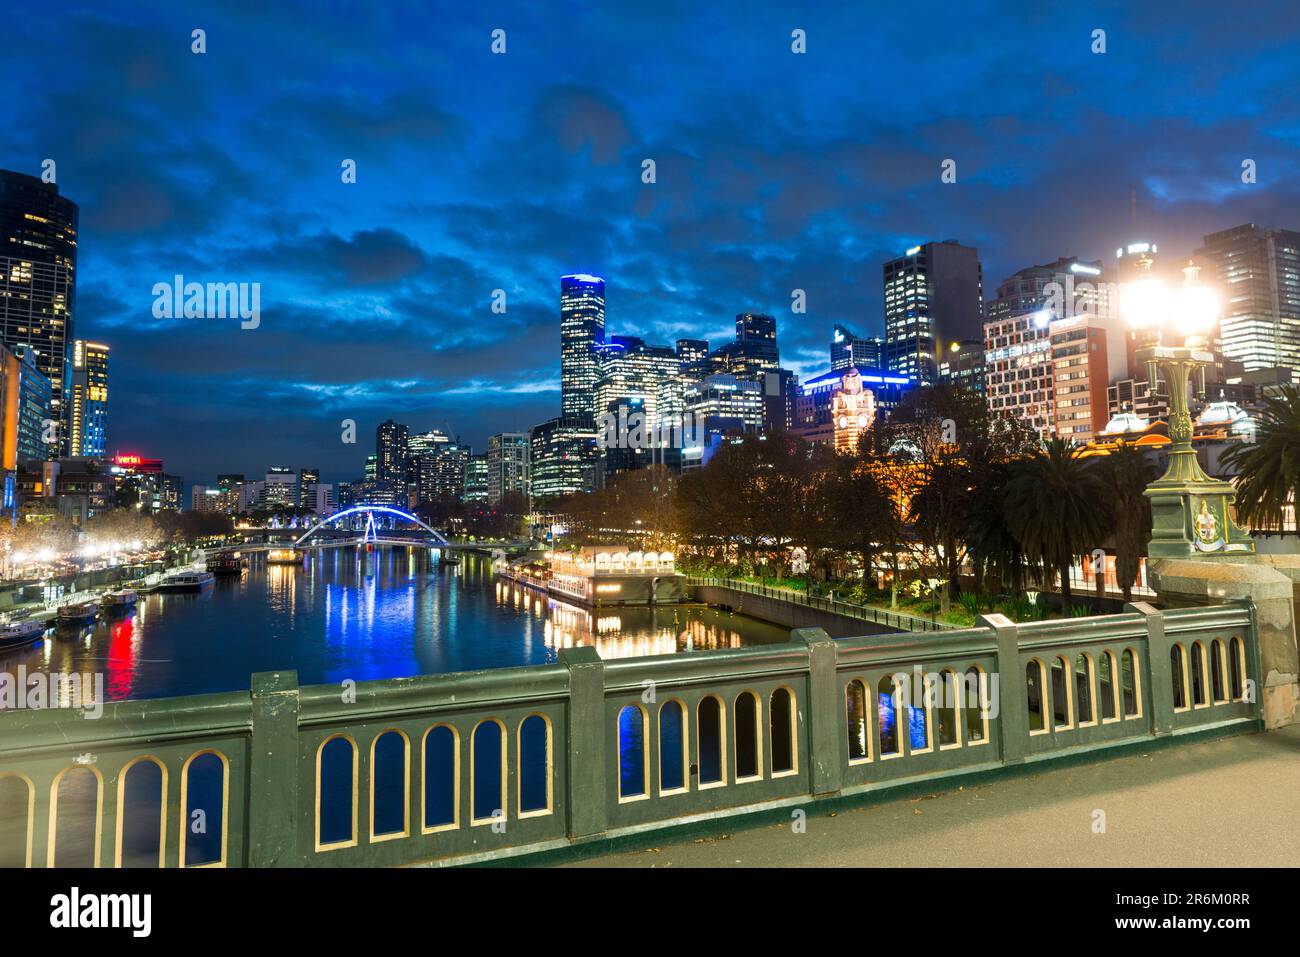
[481, 765]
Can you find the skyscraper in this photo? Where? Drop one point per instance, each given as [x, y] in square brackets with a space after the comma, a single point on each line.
[561, 461]
[390, 452]
[88, 400]
[476, 480]
[1070, 286]
[933, 292]
[962, 363]
[631, 369]
[1257, 271]
[1018, 369]
[582, 328]
[308, 480]
[38, 268]
[848, 349]
[752, 353]
[507, 464]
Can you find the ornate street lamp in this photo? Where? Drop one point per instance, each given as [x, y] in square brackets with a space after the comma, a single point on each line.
[1189, 509]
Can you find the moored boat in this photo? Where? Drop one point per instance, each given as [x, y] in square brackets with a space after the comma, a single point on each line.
[15, 634]
[225, 565]
[117, 601]
[185, 581]
[77, 612]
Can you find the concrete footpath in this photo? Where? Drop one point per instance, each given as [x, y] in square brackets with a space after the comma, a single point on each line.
[1231, 802]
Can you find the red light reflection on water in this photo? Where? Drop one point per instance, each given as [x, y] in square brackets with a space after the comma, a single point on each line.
[121, 659]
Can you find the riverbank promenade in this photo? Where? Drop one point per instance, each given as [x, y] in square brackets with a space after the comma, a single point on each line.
[1227, 802]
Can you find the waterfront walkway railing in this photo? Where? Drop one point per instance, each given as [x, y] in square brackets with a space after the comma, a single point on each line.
[486, 765]
[900, 621]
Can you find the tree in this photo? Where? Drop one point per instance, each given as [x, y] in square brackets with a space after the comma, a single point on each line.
[1269, 469]
[858, 512]
[995, 550]
[1128, 472]
[1057, 507]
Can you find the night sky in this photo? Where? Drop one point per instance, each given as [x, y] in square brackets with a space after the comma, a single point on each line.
[476, 171]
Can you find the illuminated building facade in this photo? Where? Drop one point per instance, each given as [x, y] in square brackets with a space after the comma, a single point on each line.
[308, 482]
[88, 400]
[1257, 271]
[34, 396]
[849, 350]
[1088, 352]
[962, 364]
[440, 473]
[726, 402]
[630, 369]
[38, 269]
[752, 353]
[692, 359]
[476, 480]
[1070, 286]
[138, 482]
[390, 452]
[933, 291]
[562, 459]
[1018, 369]
[582, 329]
[508, 456]
[853, 410]
[814, 399]
[280, 488]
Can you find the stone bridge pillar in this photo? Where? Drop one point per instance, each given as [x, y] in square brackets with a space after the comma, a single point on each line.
[1272, 583]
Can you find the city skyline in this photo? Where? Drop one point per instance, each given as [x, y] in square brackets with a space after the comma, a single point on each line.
[379, 294]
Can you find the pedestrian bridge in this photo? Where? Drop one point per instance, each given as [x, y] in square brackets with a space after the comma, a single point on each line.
[493, 764]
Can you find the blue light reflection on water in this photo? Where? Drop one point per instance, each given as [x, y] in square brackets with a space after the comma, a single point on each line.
[345, 615]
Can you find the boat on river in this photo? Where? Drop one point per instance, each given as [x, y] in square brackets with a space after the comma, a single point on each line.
[117, 602]
[16, 634]
[77, 613]
[224, 566]
[185, 582]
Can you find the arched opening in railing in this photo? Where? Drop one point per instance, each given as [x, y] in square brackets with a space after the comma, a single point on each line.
[76, 808]
[783, 732]
[633, 751]
[336, 793]
[390, 783]
[673, 747]
[535, 790]
[17, 810]
[440, 778]
[710, 721]
[141, 813]
[856, 721]
[488, 772]
[205, 802]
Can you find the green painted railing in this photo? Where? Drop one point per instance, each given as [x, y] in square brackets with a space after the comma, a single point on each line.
[900, 621]
[708, 735]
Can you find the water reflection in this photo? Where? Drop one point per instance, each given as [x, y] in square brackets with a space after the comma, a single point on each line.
[348, 614]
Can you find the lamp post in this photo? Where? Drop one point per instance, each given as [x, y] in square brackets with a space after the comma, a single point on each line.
[1190, 514]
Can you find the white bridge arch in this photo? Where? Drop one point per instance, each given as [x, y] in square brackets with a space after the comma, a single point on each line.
[438, 537]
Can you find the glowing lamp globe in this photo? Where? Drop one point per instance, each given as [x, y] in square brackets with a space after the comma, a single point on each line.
[1196, 310]
[1145, 304]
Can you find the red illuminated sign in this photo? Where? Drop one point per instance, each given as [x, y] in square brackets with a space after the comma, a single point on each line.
[128, 460]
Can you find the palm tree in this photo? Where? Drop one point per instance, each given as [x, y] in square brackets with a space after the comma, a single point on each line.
[1269, 470]
[994, 549]
[1057, 507]
[1128, 473]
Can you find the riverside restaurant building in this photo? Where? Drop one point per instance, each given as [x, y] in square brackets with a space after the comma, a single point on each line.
[610, 575]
